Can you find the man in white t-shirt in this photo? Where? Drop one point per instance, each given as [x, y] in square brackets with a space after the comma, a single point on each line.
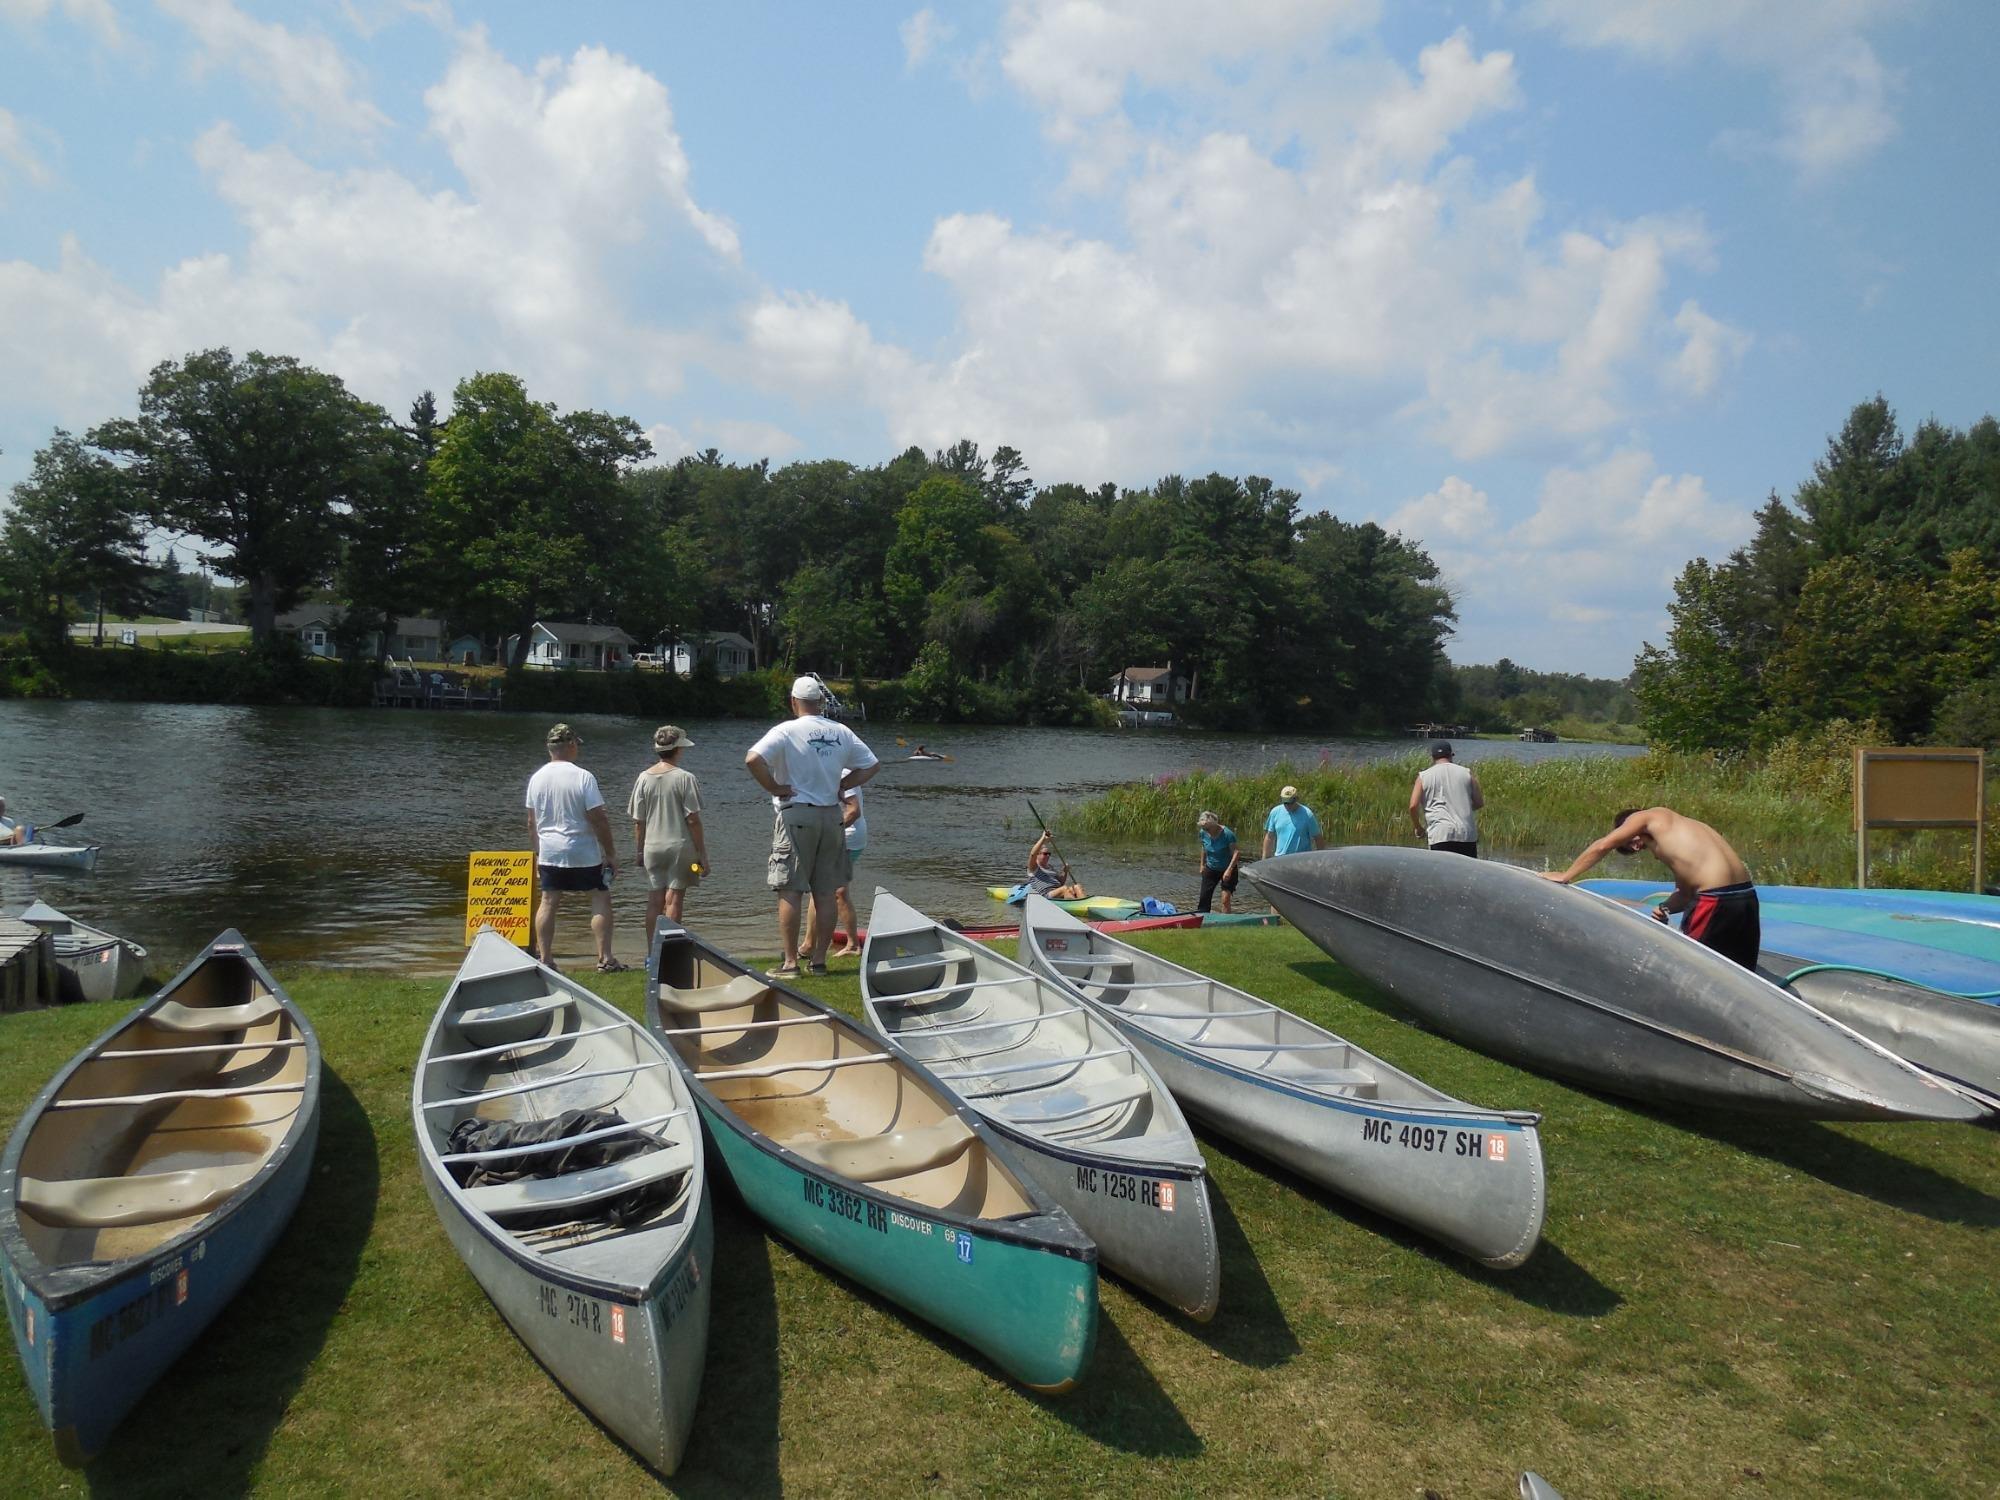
[807, 763]
[573, 848]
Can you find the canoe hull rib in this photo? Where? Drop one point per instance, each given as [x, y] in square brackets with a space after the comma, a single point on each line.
[1526, 970]
[1469, 1177]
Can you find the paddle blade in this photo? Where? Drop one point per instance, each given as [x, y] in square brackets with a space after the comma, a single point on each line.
[69, 822]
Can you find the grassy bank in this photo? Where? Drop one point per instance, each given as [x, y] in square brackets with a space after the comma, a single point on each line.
[1718, 1307]
[1790, 816]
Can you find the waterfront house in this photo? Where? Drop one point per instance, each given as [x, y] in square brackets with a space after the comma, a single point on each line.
[729, 653]
[465, 651]
[416, 639]
[1149, 687]
[587, 648]
[313, 625]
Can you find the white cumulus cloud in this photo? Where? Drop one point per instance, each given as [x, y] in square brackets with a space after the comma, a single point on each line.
[305, 71]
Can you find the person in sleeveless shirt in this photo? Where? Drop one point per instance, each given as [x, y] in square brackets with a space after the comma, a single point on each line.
[1443, 799]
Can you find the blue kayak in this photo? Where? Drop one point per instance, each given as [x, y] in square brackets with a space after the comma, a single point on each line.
[1941, 939]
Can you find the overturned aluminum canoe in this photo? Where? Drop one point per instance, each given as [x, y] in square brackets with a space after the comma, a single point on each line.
[1948, 1034]
[1084, 1114]
[1524, 969]
[1338, 1116]
[91, 964]
[602, 1270]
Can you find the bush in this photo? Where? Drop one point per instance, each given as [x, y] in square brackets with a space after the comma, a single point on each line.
[1970, 716]
[1818, 764]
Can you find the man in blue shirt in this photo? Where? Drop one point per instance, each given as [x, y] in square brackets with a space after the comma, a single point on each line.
[1291, 828]
[1219, 855]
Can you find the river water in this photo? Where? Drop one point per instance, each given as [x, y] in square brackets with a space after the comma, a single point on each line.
[340, 836]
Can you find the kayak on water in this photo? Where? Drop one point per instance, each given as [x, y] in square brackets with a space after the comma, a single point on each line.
[1083, 906]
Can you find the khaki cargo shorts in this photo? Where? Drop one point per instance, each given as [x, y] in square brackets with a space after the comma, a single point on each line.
[808, 851]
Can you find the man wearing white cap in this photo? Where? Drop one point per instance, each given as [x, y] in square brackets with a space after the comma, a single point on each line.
[807, 764]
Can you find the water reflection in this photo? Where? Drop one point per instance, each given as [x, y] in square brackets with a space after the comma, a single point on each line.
[340, 836]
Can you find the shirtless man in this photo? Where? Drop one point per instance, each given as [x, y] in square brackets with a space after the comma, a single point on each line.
[1711, 882]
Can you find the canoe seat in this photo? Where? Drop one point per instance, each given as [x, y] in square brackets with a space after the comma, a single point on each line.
[744, 989]
[903, 1154]
[917, 961]
[119, 1202]
[1070, 1104]
[174, 1016]
[475, 1016]
[580, 1189]
[1350, 1081]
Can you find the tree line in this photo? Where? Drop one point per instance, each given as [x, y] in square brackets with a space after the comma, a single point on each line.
[950, 570]
[1873, 595]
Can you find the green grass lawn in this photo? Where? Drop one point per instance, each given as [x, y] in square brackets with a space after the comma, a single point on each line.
[1720, 1306]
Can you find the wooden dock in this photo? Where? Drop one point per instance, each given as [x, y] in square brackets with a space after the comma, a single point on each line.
[27, 966]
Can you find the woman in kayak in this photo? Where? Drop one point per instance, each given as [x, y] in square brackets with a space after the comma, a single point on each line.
[1044, 879]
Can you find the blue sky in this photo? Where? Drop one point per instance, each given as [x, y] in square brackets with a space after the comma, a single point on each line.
[1559, 288]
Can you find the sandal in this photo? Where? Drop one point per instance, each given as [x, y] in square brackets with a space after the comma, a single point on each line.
[785, 971]
[819, 971]
[612, 966]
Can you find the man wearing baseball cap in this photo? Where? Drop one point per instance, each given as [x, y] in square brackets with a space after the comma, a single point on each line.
[573, 849]
[807, 764]
[1291, 828]
[1443, 799]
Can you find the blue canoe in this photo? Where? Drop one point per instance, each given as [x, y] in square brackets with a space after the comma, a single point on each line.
[148, 1180]
[1940, 939]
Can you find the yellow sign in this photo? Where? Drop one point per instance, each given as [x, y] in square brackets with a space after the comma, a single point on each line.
[500, 893]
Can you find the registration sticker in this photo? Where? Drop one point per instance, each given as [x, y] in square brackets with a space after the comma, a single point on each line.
[31, 1327]
[1496, 1148]
[965, 1249]
[180, 1288]
[1166, 1197]
[1057, 945]
[617, 1324]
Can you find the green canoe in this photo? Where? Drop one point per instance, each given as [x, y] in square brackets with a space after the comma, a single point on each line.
[866, 1161]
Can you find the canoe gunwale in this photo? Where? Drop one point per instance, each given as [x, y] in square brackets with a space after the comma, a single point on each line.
[1041, 1228]
[60, 1287]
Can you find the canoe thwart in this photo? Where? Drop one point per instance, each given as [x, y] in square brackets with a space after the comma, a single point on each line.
[727, 1028]
[575, 1190]
[1353, 1082]
[536, 1085]
[118, 1202]
[171, 1015]
[961, 1027]
[744, 989]
[953, 989]
[1067, 1060]
[544, 1040]
[903, 961]
[903, 1154]
[812, 1065]
[141, 1053]
[169, 1095]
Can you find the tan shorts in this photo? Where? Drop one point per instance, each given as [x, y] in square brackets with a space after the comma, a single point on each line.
[667, 867]
[808, 851]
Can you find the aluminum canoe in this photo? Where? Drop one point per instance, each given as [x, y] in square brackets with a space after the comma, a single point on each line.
[148, 1180]
[867, 1162]
[1562, 980]
[91, 964]
[1470, 1177]
[1079, 1106]
[1947, 1034]
[603, 1272]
